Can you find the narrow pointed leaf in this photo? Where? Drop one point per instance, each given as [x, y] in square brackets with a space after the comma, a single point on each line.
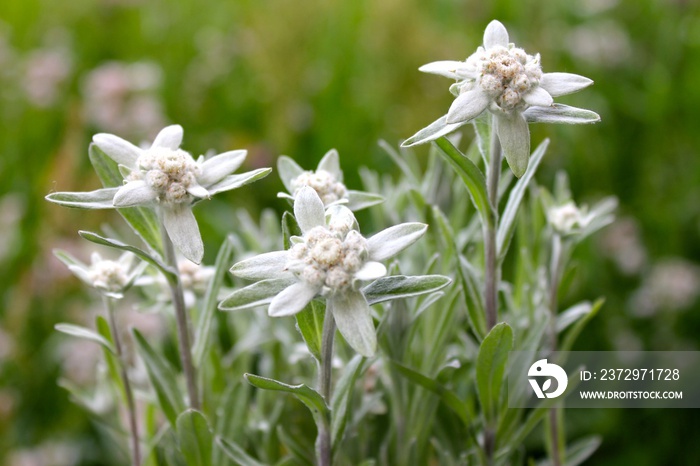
[471, 176]
[236, 453]
[342, 395]
[506, 225]
[310, 325]
[195, 438]
[85, 334]
[237, 180]
[401, 286]
[490, 367]
[310, 397]
[560, 113]
[113, 243]
[255, 295]
[163, 379]
[203, 333]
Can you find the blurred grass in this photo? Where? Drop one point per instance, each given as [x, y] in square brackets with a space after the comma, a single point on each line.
[297, 78]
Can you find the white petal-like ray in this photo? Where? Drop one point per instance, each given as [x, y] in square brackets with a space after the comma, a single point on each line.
[467, 106]
[288, 170]
[198, 190]
[134, 193]
[183, 230]
[308, 209]
[118, 149]
[169, 137]
[393, 240]
[514, 136]
[292, 299]
[447, 68]
[433, 131]
[218, 167]
[538, 97]
[371, 271]
[262, 266]
[563, 83]
[495, 35]
[354, 320]
[331, 163]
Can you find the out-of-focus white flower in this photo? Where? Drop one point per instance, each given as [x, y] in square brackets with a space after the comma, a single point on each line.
[622, 243]
[568, 217]
[326, 180]
[330, 259]
[50, 453]
[194, 278]
[510, 84]
[109, 277]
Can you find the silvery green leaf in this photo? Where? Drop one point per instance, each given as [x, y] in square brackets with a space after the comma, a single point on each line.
[572, 315]
[482, 129]
[342, 396]
[98, 199]
[446, 68]
[135, 193]
[163, 379]
[391, 241]
[436, 129]
[204, 324]
[580, 450]
[573, 333]
[237, 180]
[514, 136]
[310, 397]
[353, 318]
[358, 200]
[263, 266]
[113, 243]
[401, 286]
[288, 170]
[559, 113]
[471, 176]
[257, 294]
[490, 367]
[507, 222]
[195, 438]
[310, 325]
[236, 453]
[85, 334]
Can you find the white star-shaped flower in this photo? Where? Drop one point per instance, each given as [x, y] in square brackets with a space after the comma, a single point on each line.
[508, 83]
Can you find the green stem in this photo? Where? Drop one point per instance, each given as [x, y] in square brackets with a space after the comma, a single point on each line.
[183, 330]
[323, 441]
[130, 405]
[492, 273]
[555, 429]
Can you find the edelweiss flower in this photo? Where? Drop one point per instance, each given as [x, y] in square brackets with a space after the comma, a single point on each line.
[327, 181]
[510, 84]
[166, 177]
[110, 278]
[194, 278]
[330, 259]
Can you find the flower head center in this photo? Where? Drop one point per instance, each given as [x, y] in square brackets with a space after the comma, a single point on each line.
[328, 258]
[168, 172]
[108, 275]
[326, 185]
[505, 74]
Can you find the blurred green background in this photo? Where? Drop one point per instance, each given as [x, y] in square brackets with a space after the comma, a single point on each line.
[300, 77]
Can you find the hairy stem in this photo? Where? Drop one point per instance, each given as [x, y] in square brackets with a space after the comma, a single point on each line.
[555, 432]
[183, 330]
[130, 405]
[491, 266]
[323, 441]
